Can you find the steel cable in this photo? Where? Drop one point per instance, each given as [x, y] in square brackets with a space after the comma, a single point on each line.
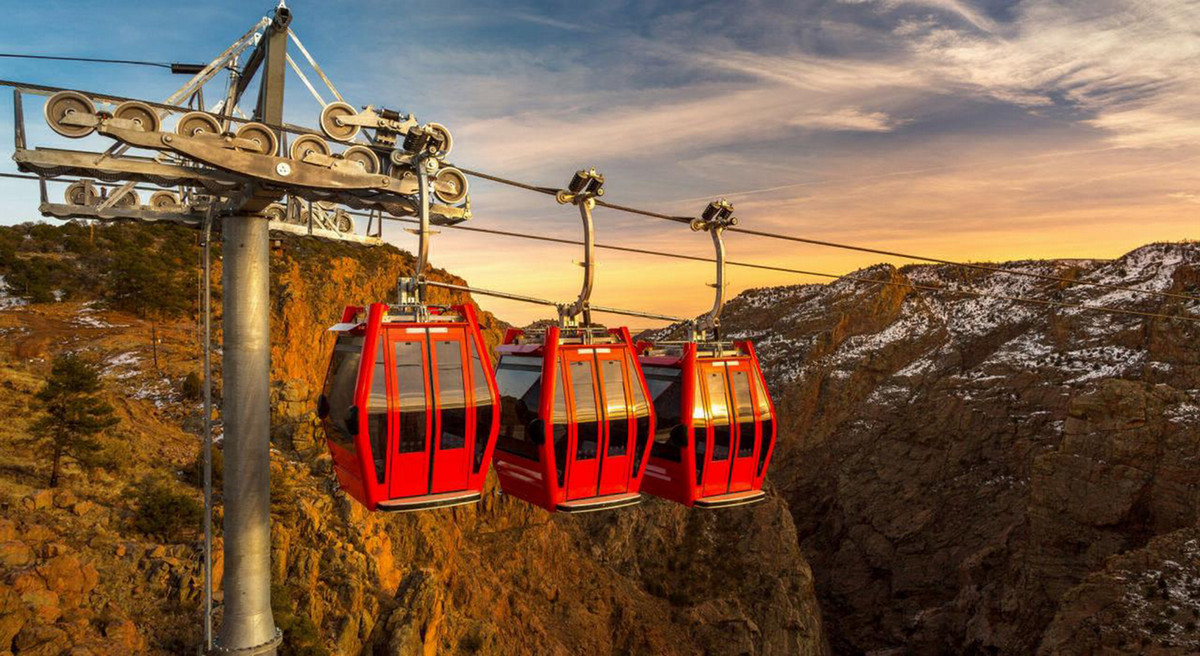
[850, 247]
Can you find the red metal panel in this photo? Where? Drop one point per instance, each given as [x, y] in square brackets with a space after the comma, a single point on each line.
[511, 335]
[760, 476]
[691, 400]
[583, 474]
[477, 478]
[408, 474]
[716, 401]
[362, 444]
[741, 473]
[615, 470]
[551, 492]
[449, 467]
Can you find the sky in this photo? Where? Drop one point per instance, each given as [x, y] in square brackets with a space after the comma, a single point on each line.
[985, 130]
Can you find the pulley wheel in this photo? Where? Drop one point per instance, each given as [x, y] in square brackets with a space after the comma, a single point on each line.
[444, 137]
[127, 200]
[275, 212]
[144, 116]
[80, 193]
[163, 200]
[330, 126]
[343, 222]
[193, 124]
[364, 157]
[450, 185]
[63, 104]
[308, 143]
[260, 134]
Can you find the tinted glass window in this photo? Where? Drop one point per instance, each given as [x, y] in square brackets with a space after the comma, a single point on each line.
[718, 409]
[767, 432]
[377, 409]
[410, 393]
[519, 379]
[483, 405]
[700, 438]
[340, 424]
[666, 388]
[561, 427]
[452, 394]
[765, 439]
[583, 388]
[699, 426]
[641, 410]
[615, 406]
[764, 405]
[744, 406]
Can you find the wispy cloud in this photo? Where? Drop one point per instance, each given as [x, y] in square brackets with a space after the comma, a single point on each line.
[846, 119]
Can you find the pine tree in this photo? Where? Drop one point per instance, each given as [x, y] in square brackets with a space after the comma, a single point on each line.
[73, 414]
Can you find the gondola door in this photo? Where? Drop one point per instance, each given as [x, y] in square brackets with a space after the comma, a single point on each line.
[742, 457]
[716, 469]
[616, 461]
[583, 470]
[449, 462]
[410, 412]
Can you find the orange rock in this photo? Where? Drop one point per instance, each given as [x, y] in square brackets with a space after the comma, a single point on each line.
[13, 615]
[72, 580]
[41, 640]
[124, 634]
[44, 604]
[40, 500]
[15, 554]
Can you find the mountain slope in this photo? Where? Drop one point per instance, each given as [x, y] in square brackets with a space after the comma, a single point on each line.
[76, 576]
[957, 465]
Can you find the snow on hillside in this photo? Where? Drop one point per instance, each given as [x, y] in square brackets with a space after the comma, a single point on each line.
[7, 300]
[955, 321]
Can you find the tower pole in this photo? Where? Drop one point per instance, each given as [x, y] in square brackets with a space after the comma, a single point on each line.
[248, 626]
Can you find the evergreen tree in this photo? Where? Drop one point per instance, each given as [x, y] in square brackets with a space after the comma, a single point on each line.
[73, 414]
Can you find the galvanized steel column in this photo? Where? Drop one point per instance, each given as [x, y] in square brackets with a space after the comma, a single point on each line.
[246, 364]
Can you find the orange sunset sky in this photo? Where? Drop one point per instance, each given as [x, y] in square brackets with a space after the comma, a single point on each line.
[963, 129]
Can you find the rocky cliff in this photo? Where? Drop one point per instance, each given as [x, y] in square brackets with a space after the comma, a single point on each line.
[965, 475]
[77, 576]
[977, 475]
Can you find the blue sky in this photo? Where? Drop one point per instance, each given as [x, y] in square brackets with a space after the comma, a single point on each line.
[957, 128]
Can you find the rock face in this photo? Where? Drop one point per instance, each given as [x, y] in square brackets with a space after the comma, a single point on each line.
[957, 466]
[503, 577]
[499, 578]
[964, 475]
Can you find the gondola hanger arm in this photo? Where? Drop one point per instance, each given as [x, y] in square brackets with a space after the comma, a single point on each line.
[582, 191]
[715, 219]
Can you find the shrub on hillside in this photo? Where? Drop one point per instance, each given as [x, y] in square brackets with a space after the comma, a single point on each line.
[195, 474]
[163, 511]
[192, 387]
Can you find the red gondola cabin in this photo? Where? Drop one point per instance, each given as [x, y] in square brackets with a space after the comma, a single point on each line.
[409, 407]
[575, 420]
[716, 424]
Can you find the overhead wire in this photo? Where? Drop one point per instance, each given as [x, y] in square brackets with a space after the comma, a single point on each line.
[751, 265]
[819, 274]
[758, 233]
[93, 60]
[763, 267]
[551, 191]
[843, 246]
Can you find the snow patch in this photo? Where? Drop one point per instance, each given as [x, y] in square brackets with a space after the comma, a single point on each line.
[7, 300]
